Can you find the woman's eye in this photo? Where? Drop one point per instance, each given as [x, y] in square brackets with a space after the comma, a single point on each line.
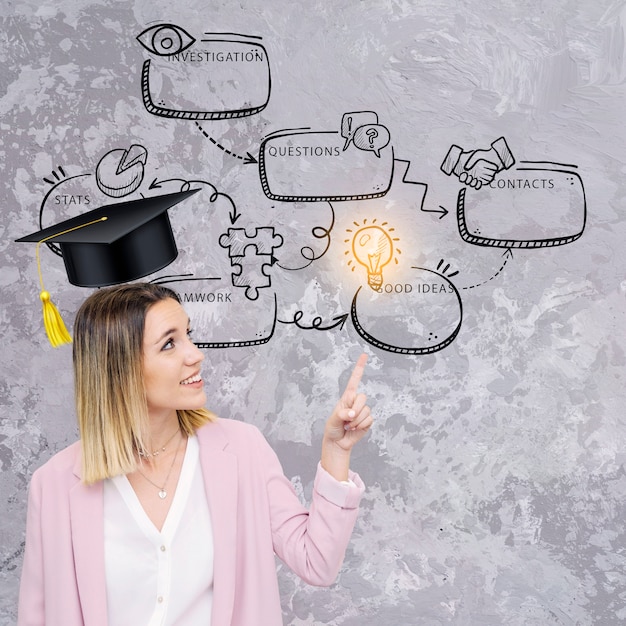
[189, 333]
[165, 39]
[168, 345]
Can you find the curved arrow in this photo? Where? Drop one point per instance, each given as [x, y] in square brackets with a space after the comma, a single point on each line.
[316, 323]
[319, 232]
[186, 184]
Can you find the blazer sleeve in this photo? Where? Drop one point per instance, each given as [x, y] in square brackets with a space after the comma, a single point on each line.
[31, 610]
[311, 542]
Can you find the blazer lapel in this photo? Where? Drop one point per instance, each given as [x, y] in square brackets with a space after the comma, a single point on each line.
[87, 518]
[219, 469]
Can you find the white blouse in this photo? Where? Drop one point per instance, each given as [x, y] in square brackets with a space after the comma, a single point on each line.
[159, 578]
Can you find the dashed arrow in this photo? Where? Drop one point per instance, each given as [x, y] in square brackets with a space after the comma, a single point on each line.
[507, 255]
[248, 159]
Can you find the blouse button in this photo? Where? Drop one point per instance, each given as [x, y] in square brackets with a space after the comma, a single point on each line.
[163, 548]
[160, 599]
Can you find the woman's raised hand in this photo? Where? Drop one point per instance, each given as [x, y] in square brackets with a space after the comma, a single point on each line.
[351, 418]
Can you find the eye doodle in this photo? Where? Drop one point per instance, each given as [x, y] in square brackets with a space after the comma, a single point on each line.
[165, 39]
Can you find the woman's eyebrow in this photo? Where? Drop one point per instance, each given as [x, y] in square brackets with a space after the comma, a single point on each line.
[167, 333]
[171, 331]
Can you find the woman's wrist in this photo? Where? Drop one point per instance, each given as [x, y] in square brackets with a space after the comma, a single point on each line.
[335, 460]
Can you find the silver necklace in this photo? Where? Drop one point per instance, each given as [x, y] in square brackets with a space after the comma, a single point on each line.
[162, 492]
[156, 453]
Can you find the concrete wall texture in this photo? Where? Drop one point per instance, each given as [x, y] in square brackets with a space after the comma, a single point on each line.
[479, 145]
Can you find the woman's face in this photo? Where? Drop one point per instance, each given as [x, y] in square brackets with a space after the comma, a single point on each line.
[171, 361]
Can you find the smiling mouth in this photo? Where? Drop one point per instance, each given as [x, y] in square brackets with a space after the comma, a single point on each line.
[196, 378]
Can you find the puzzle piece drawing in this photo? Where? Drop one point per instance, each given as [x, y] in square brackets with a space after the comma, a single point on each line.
[252, 273]
[251, 256]
[264, 240]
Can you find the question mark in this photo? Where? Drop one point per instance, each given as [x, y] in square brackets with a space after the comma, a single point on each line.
[371, 133]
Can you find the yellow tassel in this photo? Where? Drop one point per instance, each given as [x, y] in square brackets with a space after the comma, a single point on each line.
[53, 322]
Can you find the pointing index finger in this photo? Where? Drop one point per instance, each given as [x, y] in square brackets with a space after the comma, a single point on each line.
[355, 378]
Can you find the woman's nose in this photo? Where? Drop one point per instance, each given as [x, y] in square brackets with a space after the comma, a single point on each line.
[194, 354]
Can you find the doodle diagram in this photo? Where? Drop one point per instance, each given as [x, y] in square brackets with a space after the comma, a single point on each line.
[332, 175]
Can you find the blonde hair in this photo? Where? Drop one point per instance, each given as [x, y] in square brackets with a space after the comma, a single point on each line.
[108, 375]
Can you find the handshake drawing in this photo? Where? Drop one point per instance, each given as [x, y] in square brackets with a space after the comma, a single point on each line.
[476, 168]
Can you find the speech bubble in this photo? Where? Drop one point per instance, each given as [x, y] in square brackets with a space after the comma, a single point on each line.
[372, 137]
[350, 122]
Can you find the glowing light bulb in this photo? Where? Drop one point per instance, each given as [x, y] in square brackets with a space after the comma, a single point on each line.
[372, 247]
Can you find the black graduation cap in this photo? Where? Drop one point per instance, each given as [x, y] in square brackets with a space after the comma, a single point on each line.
[116, 243]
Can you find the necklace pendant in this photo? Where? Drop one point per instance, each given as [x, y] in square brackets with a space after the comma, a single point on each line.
[162, 494]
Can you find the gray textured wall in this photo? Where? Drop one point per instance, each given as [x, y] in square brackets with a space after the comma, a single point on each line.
[495, 470]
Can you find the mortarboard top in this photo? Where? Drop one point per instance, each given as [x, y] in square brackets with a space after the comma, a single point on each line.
[116, 243]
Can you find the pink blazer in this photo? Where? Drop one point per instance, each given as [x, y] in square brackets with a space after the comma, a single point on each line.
[255, 514]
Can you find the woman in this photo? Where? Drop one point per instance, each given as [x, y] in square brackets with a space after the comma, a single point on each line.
[163, 513]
